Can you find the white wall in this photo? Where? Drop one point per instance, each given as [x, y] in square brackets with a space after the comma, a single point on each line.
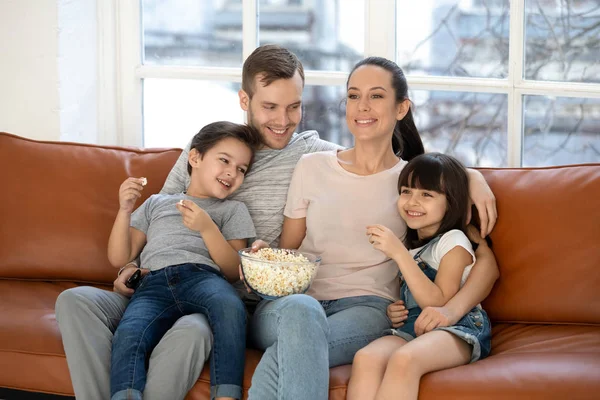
[29, 90]
[48, 69]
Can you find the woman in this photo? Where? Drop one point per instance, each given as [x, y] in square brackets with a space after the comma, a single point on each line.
[332, 198]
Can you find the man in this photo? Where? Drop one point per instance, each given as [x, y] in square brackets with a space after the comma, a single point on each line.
[271, 94]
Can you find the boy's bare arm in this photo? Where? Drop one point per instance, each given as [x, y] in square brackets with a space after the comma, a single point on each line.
[224, 253]
[125, 243]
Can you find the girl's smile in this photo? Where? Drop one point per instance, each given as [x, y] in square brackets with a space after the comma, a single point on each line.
[422, 210]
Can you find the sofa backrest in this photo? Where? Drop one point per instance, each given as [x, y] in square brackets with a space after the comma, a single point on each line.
[59, 201]
[547, 244]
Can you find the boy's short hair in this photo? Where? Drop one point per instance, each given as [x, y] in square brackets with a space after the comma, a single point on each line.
[213, 133]
[273, 62]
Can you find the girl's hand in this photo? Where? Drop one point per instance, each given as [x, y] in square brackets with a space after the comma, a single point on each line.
[397, 313]
[129, 192]
[383, 239]
[194, 217]
[433, 317]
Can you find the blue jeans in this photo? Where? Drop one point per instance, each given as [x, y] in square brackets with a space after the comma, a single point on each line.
[162, 298]
[303, 338]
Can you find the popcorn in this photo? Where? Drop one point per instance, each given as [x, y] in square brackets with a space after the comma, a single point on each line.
[278, 272]
[144, 181]
[181, 202]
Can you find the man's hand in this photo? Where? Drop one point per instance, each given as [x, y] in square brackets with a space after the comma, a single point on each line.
[397, 313]
[119, 283]
[433, 317]
[259, 244]
[481, 195]
[129, 192]
[383, 239]
[194, 217]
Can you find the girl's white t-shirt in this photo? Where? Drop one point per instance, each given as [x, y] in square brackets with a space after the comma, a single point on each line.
[338, 206]
[433, 254]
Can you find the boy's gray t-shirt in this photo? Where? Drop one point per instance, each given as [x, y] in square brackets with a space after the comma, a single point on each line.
[265, 188]
[170, 242]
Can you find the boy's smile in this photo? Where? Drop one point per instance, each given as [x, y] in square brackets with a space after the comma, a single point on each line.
[221, 170]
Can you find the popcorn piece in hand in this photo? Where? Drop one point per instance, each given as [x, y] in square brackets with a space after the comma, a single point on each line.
[181, 202]
[144, 181]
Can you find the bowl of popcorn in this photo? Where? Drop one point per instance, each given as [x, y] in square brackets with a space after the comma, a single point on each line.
[273, 273]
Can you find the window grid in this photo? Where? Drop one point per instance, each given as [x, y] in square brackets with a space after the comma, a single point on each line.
[380, 40]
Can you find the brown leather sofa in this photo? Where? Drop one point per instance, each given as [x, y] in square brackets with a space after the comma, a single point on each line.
[59, 200]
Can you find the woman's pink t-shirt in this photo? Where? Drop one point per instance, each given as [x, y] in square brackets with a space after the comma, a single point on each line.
[338, 206]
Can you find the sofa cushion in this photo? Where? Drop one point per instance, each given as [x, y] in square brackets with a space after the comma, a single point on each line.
[31, 350]
[61, 201]
[527, 362]
[546, 244]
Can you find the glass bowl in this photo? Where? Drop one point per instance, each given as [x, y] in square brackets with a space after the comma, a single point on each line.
[274, 273]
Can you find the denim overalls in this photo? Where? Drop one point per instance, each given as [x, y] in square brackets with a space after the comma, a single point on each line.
[474, 328]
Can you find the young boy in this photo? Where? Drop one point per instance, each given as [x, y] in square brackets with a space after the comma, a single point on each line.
[189, 243]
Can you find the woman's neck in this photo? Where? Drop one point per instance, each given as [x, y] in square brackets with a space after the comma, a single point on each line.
[368, 158]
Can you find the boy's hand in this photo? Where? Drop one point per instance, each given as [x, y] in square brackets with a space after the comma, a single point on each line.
[397, 313]
[194, 217]
[129, 192]
[242, 278]
[119, 283]
[383, 239]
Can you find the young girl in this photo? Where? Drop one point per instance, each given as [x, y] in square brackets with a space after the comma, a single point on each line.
[189, 242]
[434, 261]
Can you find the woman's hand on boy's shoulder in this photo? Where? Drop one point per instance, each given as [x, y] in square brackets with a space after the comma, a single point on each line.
[194, 217]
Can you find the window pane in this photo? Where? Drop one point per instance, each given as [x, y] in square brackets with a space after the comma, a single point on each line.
[562, 40]
[324, 111]
[325, 34]
[176, 109]
[560, 130]
[469, 126]
[191, 32]
[453, 37]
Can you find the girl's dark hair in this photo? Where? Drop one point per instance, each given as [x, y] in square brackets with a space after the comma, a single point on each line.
[406, 141]
[213, 133]
[443, 174]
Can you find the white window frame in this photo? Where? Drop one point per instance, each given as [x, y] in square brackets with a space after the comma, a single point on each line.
[121, 72]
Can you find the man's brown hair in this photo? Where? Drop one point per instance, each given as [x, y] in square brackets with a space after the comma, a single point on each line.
[273, 62]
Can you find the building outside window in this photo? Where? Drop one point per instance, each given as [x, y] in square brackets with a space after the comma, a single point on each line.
[495, 83]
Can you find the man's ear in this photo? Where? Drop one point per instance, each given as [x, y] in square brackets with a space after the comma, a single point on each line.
[403, 109]
[194, 158]
[244, 99]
